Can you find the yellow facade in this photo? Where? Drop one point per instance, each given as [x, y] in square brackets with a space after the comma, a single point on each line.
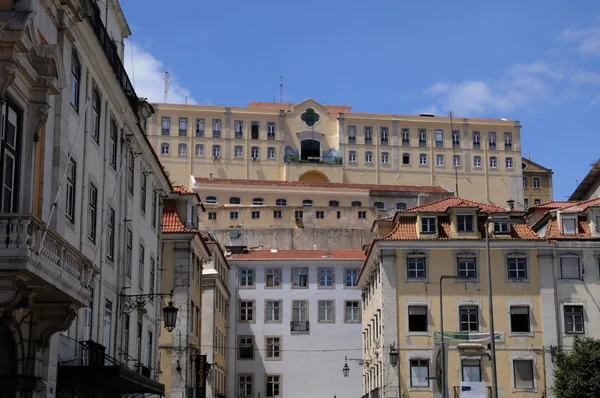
[537, 183]
[351, 147]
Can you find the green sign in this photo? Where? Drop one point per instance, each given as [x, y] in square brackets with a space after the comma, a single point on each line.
[467, 336]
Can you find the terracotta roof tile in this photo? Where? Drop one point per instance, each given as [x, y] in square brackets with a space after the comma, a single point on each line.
[323, 185]
[579, 207]
[182, 190]
[171, 222]
[442, 205]
[553, 204]
[405, 229]
[300, 255]
[583, 230]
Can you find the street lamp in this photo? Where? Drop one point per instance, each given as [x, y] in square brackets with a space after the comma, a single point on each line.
[454, 277]
[170, 316]
[346, 369]
[130, 302]
[393, 355]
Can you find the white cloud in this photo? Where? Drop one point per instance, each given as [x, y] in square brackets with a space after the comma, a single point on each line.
[437, 88]
[587, 39]
[147, 75]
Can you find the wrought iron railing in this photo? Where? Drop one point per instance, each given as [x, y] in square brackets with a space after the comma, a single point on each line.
[299, 326]
[507, 146]
[112, 56]
[422, 143]
[335, 160]
[352, 140]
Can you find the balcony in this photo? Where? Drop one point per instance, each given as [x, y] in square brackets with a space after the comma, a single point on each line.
[199, 133]
[456, 392]
[299, 326]
[422, 143]
[507, 146]
[165, 131]
[476, 145]
[112, 56]
[492, 145]
[439, 144]
[351, 139]
[271, 136]
[456, 144]
[57, 268]
[216, 133]
[239, 135]
[384, 141]
[368, 140]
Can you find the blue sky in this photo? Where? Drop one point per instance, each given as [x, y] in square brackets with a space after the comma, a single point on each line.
[534, 61]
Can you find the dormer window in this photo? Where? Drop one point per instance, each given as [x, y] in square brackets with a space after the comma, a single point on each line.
[464, 223]
[428, 225]
[211, 200]
[500, 227]
[568, 226]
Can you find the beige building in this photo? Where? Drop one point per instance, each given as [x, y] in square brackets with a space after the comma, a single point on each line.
[589, 187]
[537, 183]
[310, 141]
[400, 280]
[184, 254]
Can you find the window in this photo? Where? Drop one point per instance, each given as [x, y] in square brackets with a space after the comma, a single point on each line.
[439, 160]
[519, 319]
[384, 135]
[92, 212]
[537, 182]
[492, 140]
[255, 214]
[477, 161]
[525, 182]
[141, 268]
[464, 223]
[143, 190]
[352, 314]
[501, 228]
[517, 267]
[406, 158]
[471, 370]
[456, 160]
[254, 130]
[493, 162]
[273, 277]
[273, 386]
[356, 203]
[216, 128]
[428, 225]
[246, 310]
[110, 232]
[537, 201]
[351, 134]
[258, 201]
[277, 214]
[439, 138]
[216, 151]
[369, 157]
[238, 151]
[508, 163]
[234, 200]
[246, 277]
[166, 125]
[416, 268]
[299, 277]
[246, 348]
[569, 267]
[423, 159]
[417, 318]
[273, 311]
[113, 145]
[298, 215]
[239, 129]
[71, 191]
[245, 385]
[199, 150]
[379, 205]
[469, 318]
[523, 373]
[182, 149]
[151, 281]
[75, 78]
[320, 214]
[271, 153]
[211, 200]
[164, 148]
[150, 351]
[271, 130]
[233, 215]
[385, 157]
[405, 137]
[307, 202]
[129, 254]
[299, 316]
[182, 126]
[351, 277]
[368, 134]
[212, 215]
[467, 267]
[362, 215]
[199, 127]
[508, 141]
[400, 206]
[476, 139]
[419, 373]
[352, 156]
[131, 171]
[254, 153]
[325, 277]
[573, 319]
[326, 311]
[526, 203]
[422, 138]
[568, 226]
[96, 116]
[335, 203]
[273, 347]
[456, 139]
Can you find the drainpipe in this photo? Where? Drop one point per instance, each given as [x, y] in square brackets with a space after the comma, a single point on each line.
[84, 168]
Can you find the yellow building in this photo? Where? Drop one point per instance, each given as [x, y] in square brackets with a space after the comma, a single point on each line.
[184, 253]
[537, 183]
[310, 141]
[417, 251]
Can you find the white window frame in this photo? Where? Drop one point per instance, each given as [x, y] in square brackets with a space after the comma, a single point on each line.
[518, 357]
[406, 268]
[417, 303]
[569, 219]
[493, 162]
[352, 309]
[456, 161]
[428, 229]
[182, 150]
[519, 303]
[164, 148]
[238, 151]
[245, 273]
[351, 156]
[418, 355]
[570, 256]
[271, 153]
[536, 182]
[564, 316]
[272, 310]
[508, 163]
[329, 311]
[462, 367]
[385, 157]
[473, 221]
[368, 157]
[439, 160]
[422, 159]
[477, 162]
[199, 150]
[517, 255]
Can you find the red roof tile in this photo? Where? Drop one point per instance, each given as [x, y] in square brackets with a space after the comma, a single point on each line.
[171, 222]
[323, 185]
[579, 207]
[442, 206]
[554, 231]
[182, 190]
[553, 204]
[300, 255]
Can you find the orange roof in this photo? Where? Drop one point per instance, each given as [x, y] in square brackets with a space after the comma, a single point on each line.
[324, 185]
[300, 255]
[554, 204]
[182, 190]
[442, 206]
[554, 232]
[171, 222]
[579, 207]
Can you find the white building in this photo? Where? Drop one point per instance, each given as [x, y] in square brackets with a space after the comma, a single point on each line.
[297, 318]
[79, 205]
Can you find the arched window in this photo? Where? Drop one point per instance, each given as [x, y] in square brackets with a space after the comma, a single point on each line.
[96, 115]
[281, 202]
[211, 199]
[307, 202]
[356, 203]
[334, 203]
[234, 200]
[379, 205]
[258, 201]
[400, 206]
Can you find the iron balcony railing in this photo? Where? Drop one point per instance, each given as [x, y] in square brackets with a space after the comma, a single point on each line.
[216, 133]
[299, 326]
[239, 135]
[112, 56]
[368, 140]
[422, 143]
[476, 145]
[270, 136]
[492, 145]
[351, 139]
[324, 160]
[456, 392]
[507, 146]
[384, 141]
[405, 142]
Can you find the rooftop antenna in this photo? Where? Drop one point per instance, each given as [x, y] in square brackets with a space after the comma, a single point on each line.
[166, 79]
[280, 88]
[454, 154]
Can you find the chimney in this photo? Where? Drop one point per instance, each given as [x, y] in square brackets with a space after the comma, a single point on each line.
[511, 204]
[314, 247]
[529, 156]
[210, 176]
